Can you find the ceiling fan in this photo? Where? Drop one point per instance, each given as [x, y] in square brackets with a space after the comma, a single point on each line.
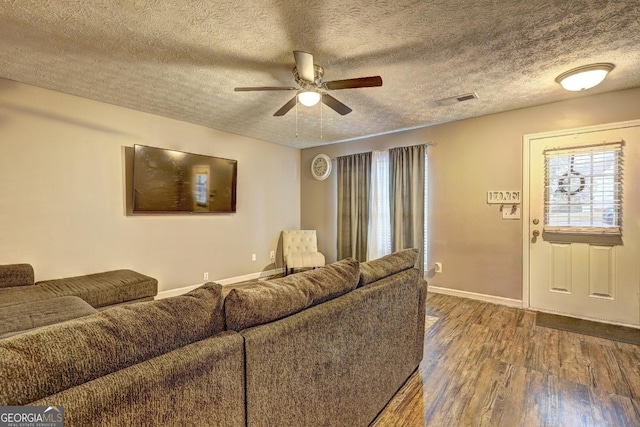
[312, 87]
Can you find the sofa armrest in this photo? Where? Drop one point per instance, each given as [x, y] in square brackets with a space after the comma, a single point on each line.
[16, 275]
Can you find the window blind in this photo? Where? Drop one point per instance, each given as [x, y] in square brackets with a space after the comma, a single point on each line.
[426, 210]
[583, 189]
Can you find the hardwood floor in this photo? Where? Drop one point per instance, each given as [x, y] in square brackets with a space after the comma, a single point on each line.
[490, 365]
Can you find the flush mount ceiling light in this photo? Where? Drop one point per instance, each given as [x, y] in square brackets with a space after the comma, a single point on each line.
[309, 98]
[584, 77]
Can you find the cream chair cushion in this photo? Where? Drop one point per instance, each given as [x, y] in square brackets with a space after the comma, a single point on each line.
[300, 249]
[305, 259]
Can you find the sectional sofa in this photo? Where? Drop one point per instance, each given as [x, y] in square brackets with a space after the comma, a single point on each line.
[100, 290]
[26, 304]
[326, 347]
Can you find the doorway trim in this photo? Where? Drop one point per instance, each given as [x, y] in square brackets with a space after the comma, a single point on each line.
[526, 146]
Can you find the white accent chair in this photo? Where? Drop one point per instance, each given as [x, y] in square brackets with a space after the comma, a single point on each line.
[300, 250]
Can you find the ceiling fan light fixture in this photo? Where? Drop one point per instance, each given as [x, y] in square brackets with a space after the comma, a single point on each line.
[309, 98]
[584, 77]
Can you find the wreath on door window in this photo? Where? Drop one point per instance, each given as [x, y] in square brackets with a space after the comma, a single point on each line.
[565, 181]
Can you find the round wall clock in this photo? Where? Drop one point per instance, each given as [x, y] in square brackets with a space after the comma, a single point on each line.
[321, 167]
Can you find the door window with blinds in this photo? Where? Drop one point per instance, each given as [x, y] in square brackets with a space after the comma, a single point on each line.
[583, 189]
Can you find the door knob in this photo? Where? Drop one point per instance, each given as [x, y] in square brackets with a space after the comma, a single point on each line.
[536, 233]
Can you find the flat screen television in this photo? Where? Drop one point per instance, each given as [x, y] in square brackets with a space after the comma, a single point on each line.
[170, 181]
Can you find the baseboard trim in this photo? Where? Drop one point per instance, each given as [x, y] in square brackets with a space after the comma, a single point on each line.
[480, 297]
[175, 292]
[224, 282]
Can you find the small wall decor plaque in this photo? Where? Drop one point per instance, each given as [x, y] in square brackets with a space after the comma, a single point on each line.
[503, 197]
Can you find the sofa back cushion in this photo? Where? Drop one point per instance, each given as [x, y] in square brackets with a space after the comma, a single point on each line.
[266, 301]
[54, 358]
[372, 271]
[16, 275]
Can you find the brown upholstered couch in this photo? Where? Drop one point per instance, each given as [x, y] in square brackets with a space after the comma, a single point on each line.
[327, 347]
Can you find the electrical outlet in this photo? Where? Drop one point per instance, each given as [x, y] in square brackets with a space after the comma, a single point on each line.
[437, 267]
[253, 257]
[272, 254]
[206, 275]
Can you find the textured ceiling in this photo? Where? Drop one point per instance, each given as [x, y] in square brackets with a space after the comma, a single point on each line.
[182, 58]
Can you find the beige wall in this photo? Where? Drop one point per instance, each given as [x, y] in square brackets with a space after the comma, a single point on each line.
[62, 193]
[480, 252]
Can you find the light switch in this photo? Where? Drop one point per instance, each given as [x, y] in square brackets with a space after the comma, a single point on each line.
[510, 212]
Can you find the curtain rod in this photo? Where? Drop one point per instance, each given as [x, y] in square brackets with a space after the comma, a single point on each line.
[426, 144]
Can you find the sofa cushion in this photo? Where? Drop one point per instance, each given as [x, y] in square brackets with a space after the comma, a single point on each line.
[305, 259]
[24, 294]
[380, 268]
[103, 289]
[19, 318]
[266, 301]
[16, 275]
[64, 355]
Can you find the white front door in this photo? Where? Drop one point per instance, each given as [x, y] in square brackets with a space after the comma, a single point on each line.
[580, 263]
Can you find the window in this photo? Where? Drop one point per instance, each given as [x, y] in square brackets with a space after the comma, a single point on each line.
[380, 222]
[583, 189]
[202, 189]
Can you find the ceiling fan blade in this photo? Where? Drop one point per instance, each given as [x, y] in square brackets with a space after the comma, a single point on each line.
[335, 105]
[286, 107]
[304, 65]
[372, 81]
[252, 89]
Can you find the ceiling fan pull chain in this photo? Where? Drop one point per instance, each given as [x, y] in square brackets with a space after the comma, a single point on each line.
[321, 116]
[296, 116]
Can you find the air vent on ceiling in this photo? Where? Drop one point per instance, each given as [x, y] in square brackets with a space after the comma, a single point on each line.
[456, 99]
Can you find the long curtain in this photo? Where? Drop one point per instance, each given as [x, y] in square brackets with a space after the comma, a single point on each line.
[354, 178]
[406, 198]
[380, 223]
